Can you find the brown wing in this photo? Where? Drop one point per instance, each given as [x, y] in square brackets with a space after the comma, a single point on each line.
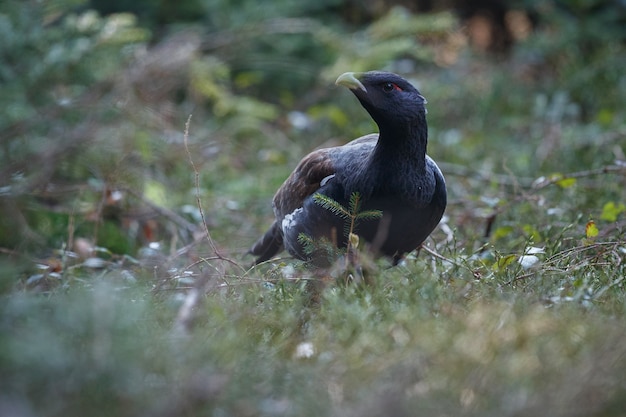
[303, 182]
[307, 177]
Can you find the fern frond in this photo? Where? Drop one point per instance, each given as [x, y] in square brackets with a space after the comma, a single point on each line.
[331, 205]
[369, 215]
[355, 203]
[307, 243]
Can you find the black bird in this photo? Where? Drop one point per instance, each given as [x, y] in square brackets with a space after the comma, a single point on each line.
[390, 171]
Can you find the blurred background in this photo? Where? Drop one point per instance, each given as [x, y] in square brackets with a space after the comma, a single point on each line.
[127, 126]
[96, 95]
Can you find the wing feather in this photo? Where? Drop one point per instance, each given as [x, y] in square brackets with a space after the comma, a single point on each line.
[312, 173]
[303, 182]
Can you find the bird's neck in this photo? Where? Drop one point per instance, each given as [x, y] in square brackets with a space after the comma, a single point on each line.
[405, 145]
[396, 164]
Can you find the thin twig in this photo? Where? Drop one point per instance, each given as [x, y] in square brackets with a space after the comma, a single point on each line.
[197, 186]
[563, 255]
[184, 318]
[207, 233]
[502, 179]
[520, 277]
[162, 211]
[577, 249]
[443, 258]
[619, 167]
[512, 180]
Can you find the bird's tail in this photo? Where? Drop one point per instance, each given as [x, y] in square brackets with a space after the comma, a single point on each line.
[268, 245]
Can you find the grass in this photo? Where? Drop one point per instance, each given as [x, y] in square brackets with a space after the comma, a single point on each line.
[468, 332]
[409, 343]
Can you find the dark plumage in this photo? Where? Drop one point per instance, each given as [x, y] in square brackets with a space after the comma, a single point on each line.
[389, 170]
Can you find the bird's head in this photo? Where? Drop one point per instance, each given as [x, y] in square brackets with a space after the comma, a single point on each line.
[390, 99]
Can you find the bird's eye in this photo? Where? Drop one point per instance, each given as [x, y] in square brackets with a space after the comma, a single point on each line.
[389, 87]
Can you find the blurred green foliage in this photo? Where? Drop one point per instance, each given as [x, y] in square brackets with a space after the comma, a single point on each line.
[55, 75]
[95, 102]
[580, 52]
[90, 105]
